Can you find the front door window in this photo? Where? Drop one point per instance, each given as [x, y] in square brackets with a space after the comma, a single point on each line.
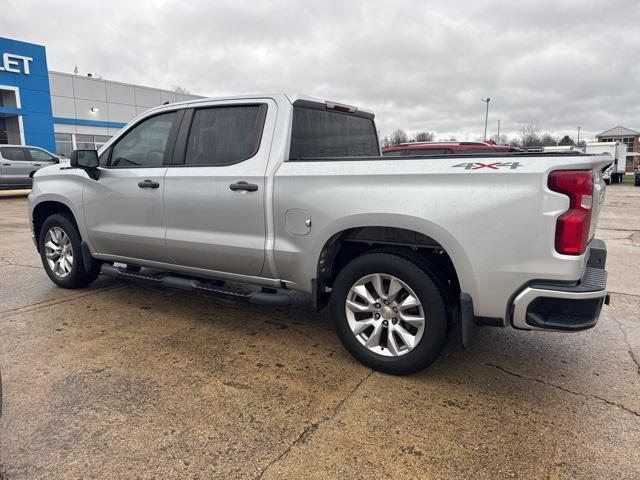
[144, 144]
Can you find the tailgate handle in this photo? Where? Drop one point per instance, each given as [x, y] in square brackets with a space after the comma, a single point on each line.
[148, 184]
[248, 187]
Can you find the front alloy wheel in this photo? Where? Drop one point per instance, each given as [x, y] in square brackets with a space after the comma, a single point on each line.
[60, 247]
[385, 315]
[58, 251]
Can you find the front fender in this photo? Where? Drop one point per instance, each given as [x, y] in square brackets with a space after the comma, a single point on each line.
[65, 189]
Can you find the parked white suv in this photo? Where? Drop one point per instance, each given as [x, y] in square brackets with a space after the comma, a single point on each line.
[18, 163]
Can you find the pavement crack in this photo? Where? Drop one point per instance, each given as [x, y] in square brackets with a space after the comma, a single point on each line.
[618, 229]
[626, 341]
[49, 303]
[564, 389]
[312, 427]
[625, 294]
[10, 263]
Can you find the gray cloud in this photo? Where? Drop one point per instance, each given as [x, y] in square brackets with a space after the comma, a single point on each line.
[419, 65]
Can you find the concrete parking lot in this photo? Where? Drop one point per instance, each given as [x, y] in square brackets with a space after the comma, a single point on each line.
[128, 381]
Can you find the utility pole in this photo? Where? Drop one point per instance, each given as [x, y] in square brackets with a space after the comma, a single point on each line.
[486, 116]
[498, 139]
[578, 142]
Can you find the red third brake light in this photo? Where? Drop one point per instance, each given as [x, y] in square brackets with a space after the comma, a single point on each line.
[572, 228]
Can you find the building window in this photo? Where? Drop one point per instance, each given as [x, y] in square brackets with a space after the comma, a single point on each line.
[85, 142]
[100, 140]
[4, 138]
[90, 142]
[64, 145]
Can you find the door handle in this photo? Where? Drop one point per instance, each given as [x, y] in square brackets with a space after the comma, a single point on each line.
[248, 187]
[6, 164]
[37, 165]
[148, 184]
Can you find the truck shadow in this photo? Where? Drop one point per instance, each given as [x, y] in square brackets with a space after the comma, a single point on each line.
[544, 356]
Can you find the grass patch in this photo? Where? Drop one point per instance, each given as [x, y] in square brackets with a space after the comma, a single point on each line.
[628, 179]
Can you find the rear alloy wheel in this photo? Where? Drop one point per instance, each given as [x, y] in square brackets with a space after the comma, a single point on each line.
[385, 315]
[389, 313]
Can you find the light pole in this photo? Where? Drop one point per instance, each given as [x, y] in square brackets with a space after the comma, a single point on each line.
[486, 116]
[578, 142]
[498, 139]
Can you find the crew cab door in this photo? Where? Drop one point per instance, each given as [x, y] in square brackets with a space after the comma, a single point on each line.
[16, 166]
[123, 207]
[40, 158]
[215, 191]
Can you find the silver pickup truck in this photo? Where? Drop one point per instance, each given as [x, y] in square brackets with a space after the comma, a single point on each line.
[18, 164]
[286, 192]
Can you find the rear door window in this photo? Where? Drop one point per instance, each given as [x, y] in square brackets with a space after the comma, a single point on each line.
[14, 153]
[395, 153]
[471, 151]
[318, 133]
[38, 155]
[225, 135]
[429, 151]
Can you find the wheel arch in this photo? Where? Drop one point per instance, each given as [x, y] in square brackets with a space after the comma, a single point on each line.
[399, 233]
[44, 209]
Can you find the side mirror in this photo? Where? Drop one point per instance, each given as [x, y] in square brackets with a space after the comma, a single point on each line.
[85, 159]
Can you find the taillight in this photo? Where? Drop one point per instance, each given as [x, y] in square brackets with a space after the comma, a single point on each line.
[572, 228]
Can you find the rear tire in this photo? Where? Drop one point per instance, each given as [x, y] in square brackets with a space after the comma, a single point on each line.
[60, 248]
[395, 342]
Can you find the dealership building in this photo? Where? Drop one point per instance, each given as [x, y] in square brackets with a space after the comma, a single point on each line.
[60, 111]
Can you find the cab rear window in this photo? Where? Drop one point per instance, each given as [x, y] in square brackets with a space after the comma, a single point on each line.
[319, 133]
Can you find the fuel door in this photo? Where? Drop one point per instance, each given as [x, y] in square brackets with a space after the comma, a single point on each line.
[297, 221]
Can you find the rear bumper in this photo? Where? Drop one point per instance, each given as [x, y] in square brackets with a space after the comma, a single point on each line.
[561, 306]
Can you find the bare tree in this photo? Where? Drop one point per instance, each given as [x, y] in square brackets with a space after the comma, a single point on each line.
[512, 142]
[424, 137]
[548, 140]
[530, 134]
[398, 136]
[182, 90]
[503, 140]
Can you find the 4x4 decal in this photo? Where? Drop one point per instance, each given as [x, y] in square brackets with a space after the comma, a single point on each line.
[492, 166]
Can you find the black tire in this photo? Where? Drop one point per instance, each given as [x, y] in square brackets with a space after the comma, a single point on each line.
[429, 294]
[78, 276]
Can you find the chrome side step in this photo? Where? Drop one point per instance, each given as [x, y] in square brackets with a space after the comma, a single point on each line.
[265, 296]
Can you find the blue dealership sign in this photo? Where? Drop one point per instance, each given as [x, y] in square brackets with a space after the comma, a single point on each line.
[25, 96]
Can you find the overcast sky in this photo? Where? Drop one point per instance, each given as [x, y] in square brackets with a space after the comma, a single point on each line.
[418, 65]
